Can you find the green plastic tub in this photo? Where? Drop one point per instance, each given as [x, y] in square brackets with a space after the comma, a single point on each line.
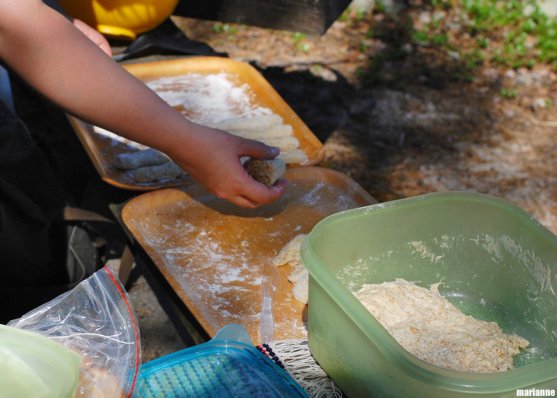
[35, 366]
[495, 263]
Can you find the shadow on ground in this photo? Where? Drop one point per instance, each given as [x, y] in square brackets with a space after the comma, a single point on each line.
[413, 106]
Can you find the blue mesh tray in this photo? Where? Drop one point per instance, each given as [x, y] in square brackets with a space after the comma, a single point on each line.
[219, 368]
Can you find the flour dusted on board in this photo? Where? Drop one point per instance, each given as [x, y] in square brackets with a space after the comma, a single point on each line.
[218, 101]
[207, 99]
[204, 99]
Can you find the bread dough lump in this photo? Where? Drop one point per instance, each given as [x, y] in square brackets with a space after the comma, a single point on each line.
[266, 171]
[428, 326]
[299, 277]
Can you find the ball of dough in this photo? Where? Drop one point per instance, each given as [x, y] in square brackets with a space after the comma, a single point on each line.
[266, 171]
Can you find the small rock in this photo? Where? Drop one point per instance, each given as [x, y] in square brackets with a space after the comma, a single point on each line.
[425, 17]
[539, 103]
[491, 74]
[407, 48]
[439, 15]
[363, 5]
[528, 10]
[549, 7]
[525, 78]
[511, 74]
[454, 55]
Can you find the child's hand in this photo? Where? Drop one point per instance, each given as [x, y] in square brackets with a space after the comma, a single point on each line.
[212, 157]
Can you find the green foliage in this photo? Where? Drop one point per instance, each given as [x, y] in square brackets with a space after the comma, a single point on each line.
[379, 6]
[473, 58]
[508, 93]
[298, 36]
[299, 41]
[224, 28]
[515, 33]
[446, 4]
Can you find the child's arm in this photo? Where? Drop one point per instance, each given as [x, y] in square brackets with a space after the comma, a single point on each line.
[48, 52]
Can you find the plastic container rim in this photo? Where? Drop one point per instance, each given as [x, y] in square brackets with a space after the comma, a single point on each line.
[213, 346]
[393, 351]
[191, 353]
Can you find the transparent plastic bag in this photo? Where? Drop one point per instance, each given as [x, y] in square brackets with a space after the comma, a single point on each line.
[95, 319]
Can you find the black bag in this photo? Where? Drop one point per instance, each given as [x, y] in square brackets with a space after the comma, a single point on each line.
[42, 254]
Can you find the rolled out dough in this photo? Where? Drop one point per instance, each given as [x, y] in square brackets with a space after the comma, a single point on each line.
[258, 122]
[268, 129]
[159, 172]
[141, 158]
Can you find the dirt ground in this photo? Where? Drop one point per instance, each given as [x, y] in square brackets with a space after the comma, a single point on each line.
[411, 124]
[401, 120]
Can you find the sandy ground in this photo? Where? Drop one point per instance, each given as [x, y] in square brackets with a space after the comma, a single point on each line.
[157, 332]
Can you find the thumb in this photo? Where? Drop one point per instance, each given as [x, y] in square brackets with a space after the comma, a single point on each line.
[258, 150]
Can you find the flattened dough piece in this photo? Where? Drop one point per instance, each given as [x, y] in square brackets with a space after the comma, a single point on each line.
[301, 288]
[165, 171]
[284, 143]
[296, 156]
[266, 171]
[259, 122]
[276, 131]
[290, 254]
[142, 158]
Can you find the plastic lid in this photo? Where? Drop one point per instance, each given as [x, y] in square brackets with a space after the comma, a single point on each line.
[32, 365]
[219, 368]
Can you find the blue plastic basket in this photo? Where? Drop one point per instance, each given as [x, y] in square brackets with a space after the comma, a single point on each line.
[222, 367]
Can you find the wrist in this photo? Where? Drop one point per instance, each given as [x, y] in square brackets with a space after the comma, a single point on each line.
[181, 142]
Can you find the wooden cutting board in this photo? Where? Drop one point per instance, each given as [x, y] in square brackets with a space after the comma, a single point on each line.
[219, 257]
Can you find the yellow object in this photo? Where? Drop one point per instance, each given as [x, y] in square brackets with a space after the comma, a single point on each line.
[122, 19]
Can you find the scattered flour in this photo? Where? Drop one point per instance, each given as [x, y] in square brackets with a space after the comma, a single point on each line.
[424, 252]
[219, 100]
[202, 98]
[313, 196]
[207, 98]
